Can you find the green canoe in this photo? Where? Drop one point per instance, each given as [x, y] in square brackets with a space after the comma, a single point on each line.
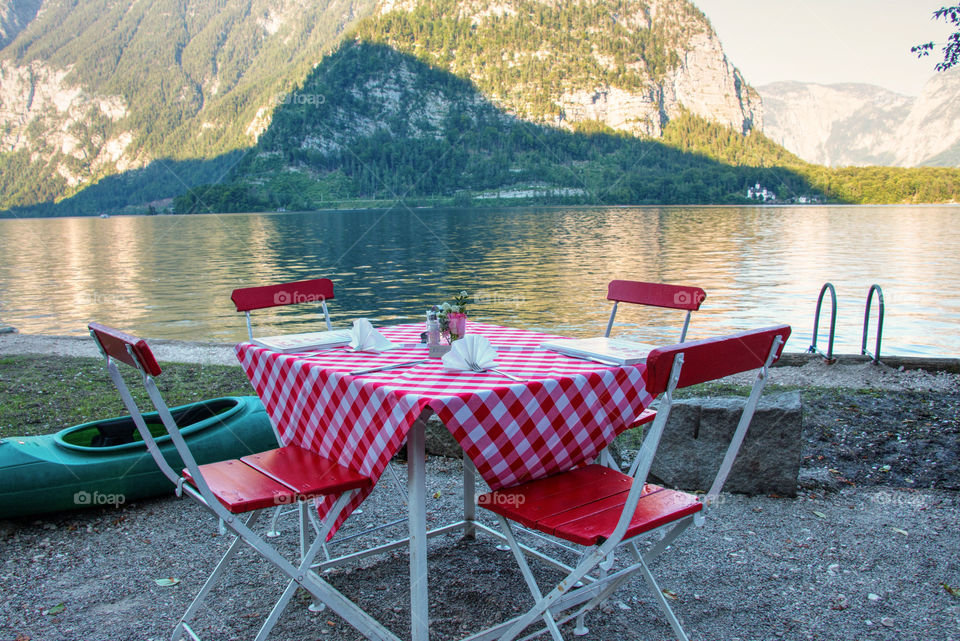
[105, 463]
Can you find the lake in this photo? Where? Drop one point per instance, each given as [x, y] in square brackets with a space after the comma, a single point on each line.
[540, 268]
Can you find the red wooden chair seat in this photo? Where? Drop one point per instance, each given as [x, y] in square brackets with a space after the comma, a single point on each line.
[306, 472]
[240, 488]
[583, 506]
[646, 416]
[281, 476]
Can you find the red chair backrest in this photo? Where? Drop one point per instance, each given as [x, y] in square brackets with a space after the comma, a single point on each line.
[713, 358]
[656, 294]
[114, 343]
[303, 291]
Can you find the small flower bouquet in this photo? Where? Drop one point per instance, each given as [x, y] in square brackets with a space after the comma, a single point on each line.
[453, 317]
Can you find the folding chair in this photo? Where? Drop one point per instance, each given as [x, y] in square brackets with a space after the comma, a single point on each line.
[654, 295]
[241, 486]
[315, 291]
[248, 299]
[601, 509]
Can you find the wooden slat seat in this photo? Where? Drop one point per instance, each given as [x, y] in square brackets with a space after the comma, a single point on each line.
[582, 506]
[240, 488]
[281, 476]
[306, 472]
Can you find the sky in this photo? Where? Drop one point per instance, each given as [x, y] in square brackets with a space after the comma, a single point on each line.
[830, 41]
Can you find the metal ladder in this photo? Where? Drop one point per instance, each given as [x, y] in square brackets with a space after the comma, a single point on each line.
[833, 323]
[866, 323]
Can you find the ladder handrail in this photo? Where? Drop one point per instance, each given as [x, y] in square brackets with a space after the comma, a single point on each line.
[833, 322]
[866, 323]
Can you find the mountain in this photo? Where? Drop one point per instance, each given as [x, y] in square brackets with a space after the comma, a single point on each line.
[93, 88]
[373, 123]
[113, 105]
[632, 65]
[856, 124]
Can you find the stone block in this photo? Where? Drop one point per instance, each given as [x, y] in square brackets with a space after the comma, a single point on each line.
[699, 431]
[439, 441]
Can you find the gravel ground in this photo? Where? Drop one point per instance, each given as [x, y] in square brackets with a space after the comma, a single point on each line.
[862, 553]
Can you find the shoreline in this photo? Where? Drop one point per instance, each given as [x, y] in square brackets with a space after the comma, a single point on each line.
[795, 368]
[488, 205]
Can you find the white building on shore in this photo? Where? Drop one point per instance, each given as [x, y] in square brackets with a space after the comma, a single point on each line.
[761, 193]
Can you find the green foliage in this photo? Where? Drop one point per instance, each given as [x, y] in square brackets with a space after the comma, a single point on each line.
[416, 106]
[855, 185]
[530, 53]
[356, 130]
[192, 74]
[951, 50]
[434, 136]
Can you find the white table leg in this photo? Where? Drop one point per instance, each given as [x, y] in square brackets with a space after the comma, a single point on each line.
[417, 505]
[469, 497]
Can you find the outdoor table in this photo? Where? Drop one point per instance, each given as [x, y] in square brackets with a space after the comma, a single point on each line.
[563, 415]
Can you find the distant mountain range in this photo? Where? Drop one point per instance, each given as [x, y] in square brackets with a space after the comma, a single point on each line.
[124, 105]
[858, 124]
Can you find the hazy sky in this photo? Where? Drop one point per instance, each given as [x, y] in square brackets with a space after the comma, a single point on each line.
[830, 41]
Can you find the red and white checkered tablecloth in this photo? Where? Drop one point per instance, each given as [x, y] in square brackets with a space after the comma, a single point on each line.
[565, 413]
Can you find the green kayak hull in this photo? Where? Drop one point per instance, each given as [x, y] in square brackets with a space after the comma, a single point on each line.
[105, 463]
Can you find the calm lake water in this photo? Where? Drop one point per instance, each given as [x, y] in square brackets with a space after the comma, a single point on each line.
[545, 268]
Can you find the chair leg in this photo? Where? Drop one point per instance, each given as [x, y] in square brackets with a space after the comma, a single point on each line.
[529, 578]
[306, 559]
[183, 624]
[273, 532]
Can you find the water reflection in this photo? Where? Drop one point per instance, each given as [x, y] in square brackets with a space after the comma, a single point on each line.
[171, 277]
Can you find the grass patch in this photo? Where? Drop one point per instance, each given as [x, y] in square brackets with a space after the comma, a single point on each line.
[44, 394]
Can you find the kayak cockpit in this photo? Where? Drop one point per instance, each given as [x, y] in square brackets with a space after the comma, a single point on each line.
[117, 434]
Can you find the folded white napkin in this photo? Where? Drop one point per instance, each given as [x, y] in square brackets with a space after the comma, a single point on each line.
[364, 338]
[472, 349]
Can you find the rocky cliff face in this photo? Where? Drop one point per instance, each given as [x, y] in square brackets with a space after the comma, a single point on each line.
[673, 61]
[855, 124]
[94, 88]
[54, 119]
[90, 89]
[14, 16]
[704, 83]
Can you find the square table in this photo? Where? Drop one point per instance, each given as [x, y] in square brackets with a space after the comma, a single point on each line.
[563, 415]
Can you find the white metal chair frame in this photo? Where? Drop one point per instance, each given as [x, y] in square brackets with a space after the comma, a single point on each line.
[318, 291]
[681, 297]
[299, 575]
[593, 589]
